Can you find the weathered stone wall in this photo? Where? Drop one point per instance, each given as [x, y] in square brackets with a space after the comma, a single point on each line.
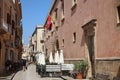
[109, 67]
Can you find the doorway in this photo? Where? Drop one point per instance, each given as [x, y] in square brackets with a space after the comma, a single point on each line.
[91, 53]
[6, 55]
[57, 45]
[89, 33]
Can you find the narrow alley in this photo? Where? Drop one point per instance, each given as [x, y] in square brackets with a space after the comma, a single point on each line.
[60, 39]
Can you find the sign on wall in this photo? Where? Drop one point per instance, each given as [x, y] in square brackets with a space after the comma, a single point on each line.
[67, 67]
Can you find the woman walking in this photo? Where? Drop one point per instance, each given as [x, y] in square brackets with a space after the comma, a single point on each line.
[24, 65]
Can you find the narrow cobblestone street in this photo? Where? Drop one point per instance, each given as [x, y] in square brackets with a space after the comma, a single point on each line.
[60, 39]
[30, 74]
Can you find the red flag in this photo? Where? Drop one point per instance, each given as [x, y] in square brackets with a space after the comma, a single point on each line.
[49, 22]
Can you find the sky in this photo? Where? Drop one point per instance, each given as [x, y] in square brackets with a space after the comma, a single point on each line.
[33, 12]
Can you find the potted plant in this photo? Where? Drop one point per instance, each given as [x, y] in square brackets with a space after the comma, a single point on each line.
[46, 60]
[81, 68]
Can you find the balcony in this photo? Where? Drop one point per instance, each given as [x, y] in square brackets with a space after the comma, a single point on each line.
[4, 28]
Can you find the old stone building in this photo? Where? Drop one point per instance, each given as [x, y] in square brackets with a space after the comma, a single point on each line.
[86, 29]
[10, 31]
[37, 40]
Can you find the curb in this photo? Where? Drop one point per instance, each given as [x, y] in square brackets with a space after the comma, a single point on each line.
[13, 75]
[62, 78]
[8, 77]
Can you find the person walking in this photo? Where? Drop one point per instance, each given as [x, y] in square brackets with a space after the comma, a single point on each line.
[24, 65]
[8, 66]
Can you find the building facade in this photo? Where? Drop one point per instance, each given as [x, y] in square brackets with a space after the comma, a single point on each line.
[37, 40]
[86, 30]
[10, 31]
[25, 53]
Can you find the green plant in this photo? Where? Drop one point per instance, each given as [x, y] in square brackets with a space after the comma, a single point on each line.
[81, 67]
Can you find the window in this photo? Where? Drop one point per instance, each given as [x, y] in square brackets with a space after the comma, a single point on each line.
[62, 9]
[56, 28]
[74, 37]
[33, 48]
[43, 48]
[13, 26]
[62, 42]
[16, 18]
[56, 14]
[8, 18]
[74, 2]
[11, 55]
[118, 14]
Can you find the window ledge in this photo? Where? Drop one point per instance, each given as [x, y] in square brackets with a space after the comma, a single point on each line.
[74, 6]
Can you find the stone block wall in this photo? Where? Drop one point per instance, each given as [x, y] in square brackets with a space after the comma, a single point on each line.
[109, 67]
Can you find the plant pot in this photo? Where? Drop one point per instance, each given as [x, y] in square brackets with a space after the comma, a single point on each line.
[79, 76]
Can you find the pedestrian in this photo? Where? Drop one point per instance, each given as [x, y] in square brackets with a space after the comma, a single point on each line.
[8, 65]
[24, 64]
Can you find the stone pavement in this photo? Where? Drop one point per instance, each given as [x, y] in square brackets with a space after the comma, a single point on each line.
[31, 74]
